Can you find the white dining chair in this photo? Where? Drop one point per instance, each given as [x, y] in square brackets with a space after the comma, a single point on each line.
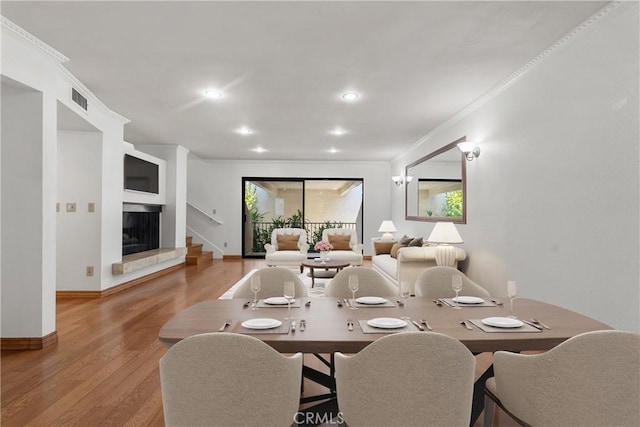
[592, 379]
[370, 283]
[407, 379]
[272, 284]
[224, 379]
[435, 282]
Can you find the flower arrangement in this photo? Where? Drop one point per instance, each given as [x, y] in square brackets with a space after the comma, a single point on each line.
[323, 245]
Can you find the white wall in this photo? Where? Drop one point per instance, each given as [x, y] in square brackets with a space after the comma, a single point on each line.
[78, 233]
[553, 199]
[218, 185]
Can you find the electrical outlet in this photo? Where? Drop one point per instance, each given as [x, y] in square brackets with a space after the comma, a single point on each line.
[71, 207]
[90, 270]
[92, 207]
[58, 207]
[225, 244]
[214, 211]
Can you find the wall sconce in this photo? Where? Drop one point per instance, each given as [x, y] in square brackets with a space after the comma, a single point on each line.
[470, 150]
[399, 180]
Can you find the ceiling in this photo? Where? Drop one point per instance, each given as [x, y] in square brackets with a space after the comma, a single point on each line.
[283, 66]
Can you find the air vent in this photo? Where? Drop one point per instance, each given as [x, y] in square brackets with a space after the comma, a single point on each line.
[79, 99]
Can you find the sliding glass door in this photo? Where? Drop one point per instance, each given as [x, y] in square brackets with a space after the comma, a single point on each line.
[312, 204]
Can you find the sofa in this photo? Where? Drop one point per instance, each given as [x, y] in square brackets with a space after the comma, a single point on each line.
[409, 261]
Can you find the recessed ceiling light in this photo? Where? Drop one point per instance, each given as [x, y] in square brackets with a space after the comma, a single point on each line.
[333, 150]
[350, 96]
[338, 132]
[259, 150]
[244, 131]
[213, 93]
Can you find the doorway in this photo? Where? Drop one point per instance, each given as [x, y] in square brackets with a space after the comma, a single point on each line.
[310, 203]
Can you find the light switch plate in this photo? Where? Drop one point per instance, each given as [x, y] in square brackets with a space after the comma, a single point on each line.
[58, 207]
[90, 270]
[92, 207]
[71, 207]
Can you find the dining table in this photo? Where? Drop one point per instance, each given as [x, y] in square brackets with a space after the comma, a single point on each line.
[342, 325]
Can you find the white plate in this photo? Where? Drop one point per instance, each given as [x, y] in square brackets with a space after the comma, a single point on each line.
[387, 323]
[276, 301]
[502, 322]
[468, 300]
[371, 300]
[261, 323]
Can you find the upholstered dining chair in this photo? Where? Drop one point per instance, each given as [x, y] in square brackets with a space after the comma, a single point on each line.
[288, 247]
[410, 378]
[271, 284]
[226, 379]
[592, 379]
[345, 245]
[370, 282]
[435, 282]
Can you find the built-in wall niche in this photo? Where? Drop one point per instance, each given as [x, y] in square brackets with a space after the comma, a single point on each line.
[140, 228]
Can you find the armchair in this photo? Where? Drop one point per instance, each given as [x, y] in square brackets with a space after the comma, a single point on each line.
[288, 247]
[345, 245]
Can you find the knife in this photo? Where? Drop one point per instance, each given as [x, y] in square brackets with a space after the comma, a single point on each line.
[293, 326]
[246, 304]
[418, 325]
[339, 303]
[445, 302]
[347, 303]
[350, 325]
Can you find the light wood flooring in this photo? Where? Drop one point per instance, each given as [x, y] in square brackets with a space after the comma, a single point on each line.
[104, 369]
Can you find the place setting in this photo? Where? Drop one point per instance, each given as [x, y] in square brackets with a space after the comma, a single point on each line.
[388, 325]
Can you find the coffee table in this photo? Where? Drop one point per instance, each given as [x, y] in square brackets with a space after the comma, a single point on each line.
[324, 265]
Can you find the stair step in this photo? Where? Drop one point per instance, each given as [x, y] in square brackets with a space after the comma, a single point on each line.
[189, 240]
[195, 249]
[200, 258]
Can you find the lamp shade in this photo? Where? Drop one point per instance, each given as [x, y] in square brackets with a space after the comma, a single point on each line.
[387, 227]
[445, 232]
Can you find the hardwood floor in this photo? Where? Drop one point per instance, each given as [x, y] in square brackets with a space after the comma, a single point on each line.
[104, 368]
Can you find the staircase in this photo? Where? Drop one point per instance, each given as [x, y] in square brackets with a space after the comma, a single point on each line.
[195, 254]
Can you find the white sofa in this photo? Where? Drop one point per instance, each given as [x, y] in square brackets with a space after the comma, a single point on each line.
[410, 262]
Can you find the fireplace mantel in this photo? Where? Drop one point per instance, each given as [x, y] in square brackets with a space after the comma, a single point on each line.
[145, 259]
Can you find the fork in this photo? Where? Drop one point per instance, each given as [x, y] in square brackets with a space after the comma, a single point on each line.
[350, 325]
[425, 323]
[537, 322]
[466, 325]
[226, 323]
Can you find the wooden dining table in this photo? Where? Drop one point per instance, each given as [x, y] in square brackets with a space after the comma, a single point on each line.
[326, 326]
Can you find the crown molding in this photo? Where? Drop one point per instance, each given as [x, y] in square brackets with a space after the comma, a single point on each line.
[509, 80]
[33, 41]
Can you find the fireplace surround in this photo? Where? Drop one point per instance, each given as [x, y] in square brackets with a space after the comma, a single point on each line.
[140, 228]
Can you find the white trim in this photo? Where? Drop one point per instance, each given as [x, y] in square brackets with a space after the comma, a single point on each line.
[33, 40]
[509, 80]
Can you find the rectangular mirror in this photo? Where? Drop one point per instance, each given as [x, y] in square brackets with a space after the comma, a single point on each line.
[437, 190]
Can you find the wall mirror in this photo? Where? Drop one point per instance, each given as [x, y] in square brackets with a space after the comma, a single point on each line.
[437, 191]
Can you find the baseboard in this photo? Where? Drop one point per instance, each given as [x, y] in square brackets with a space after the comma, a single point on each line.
[231, 257]
[117, 288]
[31, 343]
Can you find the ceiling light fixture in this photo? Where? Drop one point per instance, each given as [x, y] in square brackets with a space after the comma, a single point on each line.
[259, 150]
[350, 96]
[338, 131]
[244, 131]
[333, 150]
[213, 93]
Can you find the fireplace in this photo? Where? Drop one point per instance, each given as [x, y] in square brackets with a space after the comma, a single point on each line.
[140, 228]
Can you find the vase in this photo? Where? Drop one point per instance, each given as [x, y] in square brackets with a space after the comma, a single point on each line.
[324, 256]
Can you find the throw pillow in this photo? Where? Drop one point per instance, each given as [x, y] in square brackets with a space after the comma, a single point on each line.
[395, 248]
[340, 242]
[382, 248]
[416, 242]
[405, 240]
[287, 242]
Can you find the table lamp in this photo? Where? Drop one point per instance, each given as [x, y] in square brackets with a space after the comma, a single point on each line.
[387, 228]
[445, 233]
